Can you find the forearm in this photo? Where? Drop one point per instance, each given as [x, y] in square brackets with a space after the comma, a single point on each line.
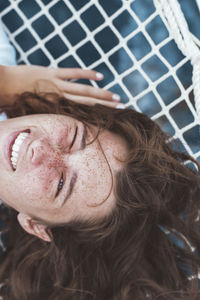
[5, 93]
[2, 80]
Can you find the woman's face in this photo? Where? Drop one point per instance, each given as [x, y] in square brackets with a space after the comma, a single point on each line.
[48, 170]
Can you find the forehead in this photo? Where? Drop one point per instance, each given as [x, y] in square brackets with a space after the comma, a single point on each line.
[40, 117]
[48, 118]
[46, 121]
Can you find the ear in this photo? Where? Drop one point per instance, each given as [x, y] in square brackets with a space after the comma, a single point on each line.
[34, 227]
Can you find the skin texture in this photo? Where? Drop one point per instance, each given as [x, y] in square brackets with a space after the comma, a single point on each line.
[44, 157]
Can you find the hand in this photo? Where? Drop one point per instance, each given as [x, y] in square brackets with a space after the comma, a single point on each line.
[18, 79]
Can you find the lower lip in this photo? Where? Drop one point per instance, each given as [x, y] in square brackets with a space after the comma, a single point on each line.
[9, 144]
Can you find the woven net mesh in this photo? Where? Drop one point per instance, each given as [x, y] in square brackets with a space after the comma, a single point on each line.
[128, 41]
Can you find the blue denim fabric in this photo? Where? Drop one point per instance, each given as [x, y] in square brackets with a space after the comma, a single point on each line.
[7, 51]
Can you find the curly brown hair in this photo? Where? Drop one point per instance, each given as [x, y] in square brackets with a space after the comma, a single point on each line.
[149, 245]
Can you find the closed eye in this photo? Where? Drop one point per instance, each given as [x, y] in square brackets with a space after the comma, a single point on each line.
[61, 182]
[60, 185]
[74, 138]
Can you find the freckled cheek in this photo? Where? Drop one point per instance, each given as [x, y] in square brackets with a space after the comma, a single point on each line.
[35, 188]
[94, 178]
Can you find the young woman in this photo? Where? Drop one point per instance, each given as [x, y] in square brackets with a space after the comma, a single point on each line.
[111, 211]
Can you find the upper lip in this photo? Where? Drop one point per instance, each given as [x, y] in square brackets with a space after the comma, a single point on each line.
[14, 136]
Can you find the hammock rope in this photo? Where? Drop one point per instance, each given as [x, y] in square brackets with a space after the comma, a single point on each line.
[178, 28]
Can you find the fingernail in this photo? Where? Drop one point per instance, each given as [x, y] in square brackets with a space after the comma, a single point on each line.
[116, 97]
[99, 76]
[120, 106]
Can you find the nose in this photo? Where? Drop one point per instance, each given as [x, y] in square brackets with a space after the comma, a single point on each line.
[42, 152]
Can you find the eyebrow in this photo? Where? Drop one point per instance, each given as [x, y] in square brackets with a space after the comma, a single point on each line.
[74, 176]
[71, 187]
[83, 141]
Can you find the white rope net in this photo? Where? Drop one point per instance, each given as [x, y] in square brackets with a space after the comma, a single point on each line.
[134, 43]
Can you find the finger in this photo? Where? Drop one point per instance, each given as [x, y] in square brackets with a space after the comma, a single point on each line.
[87, 91]
[77, 73]
[91, 101]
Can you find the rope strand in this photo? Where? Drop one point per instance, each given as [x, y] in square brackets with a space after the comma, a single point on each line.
[178, 28]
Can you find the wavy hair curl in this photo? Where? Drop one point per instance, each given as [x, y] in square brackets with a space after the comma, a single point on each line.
[128, 254]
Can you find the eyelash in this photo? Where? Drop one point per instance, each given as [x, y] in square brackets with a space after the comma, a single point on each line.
[61, 182]
[74, 139]
[60, 185]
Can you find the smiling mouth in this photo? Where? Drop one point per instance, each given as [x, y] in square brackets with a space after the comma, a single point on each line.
[16, 146]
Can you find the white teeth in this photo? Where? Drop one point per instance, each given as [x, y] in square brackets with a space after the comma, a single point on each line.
[14, 159]
[16, 146]
[14, 154]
